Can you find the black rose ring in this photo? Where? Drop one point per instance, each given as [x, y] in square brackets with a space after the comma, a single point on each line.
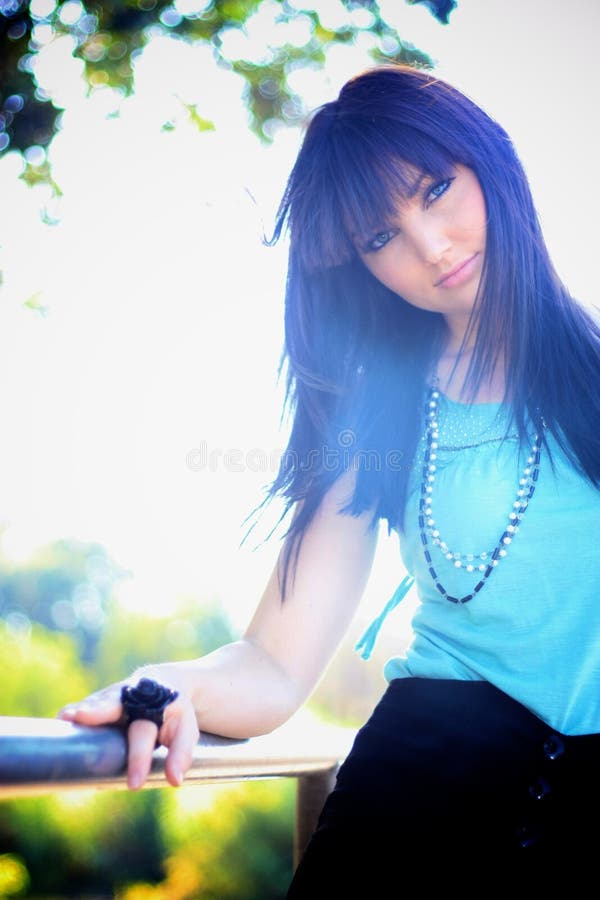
[147, 700]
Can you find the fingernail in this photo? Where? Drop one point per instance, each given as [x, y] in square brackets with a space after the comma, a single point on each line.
[135, 781]
[178, 776]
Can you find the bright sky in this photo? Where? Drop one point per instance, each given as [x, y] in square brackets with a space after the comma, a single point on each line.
[141, 411]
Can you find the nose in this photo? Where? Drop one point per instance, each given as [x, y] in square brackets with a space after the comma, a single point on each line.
[430, 241]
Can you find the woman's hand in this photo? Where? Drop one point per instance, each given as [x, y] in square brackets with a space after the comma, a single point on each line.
[179, 731]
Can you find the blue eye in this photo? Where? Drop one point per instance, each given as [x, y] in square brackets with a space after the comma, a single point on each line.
[379, 241]
[439, 189]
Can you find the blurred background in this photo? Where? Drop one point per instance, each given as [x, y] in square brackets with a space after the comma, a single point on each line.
[144, 147]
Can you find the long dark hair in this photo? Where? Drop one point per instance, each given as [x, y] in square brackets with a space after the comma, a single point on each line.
[357, 355]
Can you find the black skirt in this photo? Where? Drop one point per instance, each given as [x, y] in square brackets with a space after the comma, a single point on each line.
[453, 784]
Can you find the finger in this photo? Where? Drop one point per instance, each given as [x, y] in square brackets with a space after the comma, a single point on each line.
[141, 738]
[180, 734]
[100, 707]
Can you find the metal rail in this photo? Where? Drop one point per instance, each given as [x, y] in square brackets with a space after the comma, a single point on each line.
[42, 756]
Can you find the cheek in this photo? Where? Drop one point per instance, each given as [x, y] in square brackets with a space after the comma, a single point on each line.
[389, 270]
[477, 214]
[402, 282]
[383, 271]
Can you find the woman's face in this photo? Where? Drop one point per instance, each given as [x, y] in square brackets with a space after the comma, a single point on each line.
[432, 255]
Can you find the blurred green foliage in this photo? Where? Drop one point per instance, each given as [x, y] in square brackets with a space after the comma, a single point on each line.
[44, 673]
[65, 587]
[108, 37]
[135, 640]
[210, 842]
[215, 843]
[14, 877]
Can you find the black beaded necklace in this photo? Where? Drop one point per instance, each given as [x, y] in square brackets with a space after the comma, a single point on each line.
[483, 563]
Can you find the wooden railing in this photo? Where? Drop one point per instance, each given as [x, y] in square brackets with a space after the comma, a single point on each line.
[41, 756]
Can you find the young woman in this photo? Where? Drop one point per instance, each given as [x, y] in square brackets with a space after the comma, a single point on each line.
[443, 380]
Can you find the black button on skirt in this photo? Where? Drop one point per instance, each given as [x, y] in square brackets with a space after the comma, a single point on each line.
[454, 785]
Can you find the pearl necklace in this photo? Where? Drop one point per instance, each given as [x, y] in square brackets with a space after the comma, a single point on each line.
[485, 562]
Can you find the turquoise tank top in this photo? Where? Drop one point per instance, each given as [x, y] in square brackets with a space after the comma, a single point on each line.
[533, 630]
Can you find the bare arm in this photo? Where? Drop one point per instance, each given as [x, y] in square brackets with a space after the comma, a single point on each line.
[251, 686]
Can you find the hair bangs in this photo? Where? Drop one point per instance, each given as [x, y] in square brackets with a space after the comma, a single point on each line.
[367, 167]
[382, 170]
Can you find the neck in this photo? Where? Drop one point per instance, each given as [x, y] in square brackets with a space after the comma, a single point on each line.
[453, 364]
[460, 337]
[452, 370]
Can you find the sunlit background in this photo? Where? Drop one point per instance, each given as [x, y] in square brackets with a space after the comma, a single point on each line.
[141, 315]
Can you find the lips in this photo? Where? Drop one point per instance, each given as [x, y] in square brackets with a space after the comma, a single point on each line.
[459, 274]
